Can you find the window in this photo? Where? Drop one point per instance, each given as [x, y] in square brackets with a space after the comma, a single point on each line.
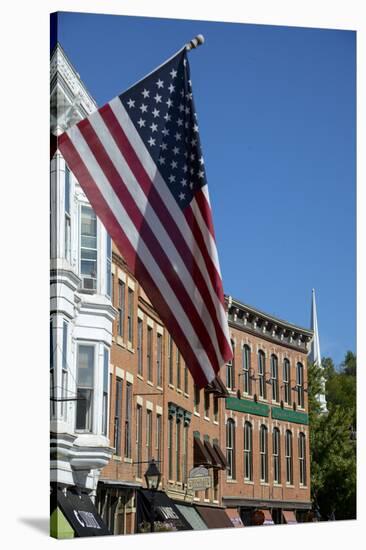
[185, 454]
[64, 374]
[185, 375]
[105, 392]
[276, 449]
[302, 459]
[300, 384]
[88, 248]
[170, 359]
[170, 448]
[149, 434]
[288, 457]
[248, 451]
[230, 370]
[178, 457]
[207, 404]
[109, 266]
[262, 374]
[85, 385]
[159, 360]
[158, 437]
[247, 382]
[52, 375]
[128, 420]
[274, 377]
[117, 417]
[130, 316]
[263, 451]
[216, 409]
[67, 215]
[120, 307]
[139, 346]
[179, 369]
[197, 399]
[230, 448]
[149, 354]
[286, 382]
[139, 440]
[215, 484]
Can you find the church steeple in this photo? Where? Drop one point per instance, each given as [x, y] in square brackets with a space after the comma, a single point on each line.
[314, 355]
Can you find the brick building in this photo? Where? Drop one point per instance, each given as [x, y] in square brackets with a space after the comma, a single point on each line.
[249, 428]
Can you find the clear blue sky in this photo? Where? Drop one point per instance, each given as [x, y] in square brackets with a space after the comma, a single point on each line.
[276, 107]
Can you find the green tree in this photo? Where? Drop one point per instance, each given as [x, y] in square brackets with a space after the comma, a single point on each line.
[332, 447]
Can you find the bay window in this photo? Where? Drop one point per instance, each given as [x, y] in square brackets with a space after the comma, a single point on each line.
[88, 248]
[85, 387]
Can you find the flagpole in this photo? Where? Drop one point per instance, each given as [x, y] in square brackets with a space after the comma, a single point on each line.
[195, 42]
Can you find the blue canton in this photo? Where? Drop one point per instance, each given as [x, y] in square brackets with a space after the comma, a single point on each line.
[162, 109]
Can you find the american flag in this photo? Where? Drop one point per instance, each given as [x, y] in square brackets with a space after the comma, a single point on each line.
[139, 161]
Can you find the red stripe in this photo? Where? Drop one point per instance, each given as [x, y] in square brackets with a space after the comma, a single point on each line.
[205, 210]
[134, 263]
[147, 235]
[167, 220]
[211, 268]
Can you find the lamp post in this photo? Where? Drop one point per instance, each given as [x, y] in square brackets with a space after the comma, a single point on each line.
[152, 477]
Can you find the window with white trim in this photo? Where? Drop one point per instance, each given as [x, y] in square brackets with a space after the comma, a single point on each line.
[149, 434]
[109, 266]
[170, 447]
[178, 457]
[64, 373]
[170, 359]
[67, 215]
[276, 450]
[197, 399]
[88, 248]
[302, 458]
[230, 448]
[159, 359]
[274, 377]
[247, 382]
[105, 392]
[288, 457]
[128, 426]
[139, 441]
[121, 308]
[263, 451]
[262, 374]
[248, 451]
[179, 368]
[130, 317]
[287, 381]
[118, 416]
[85, 387]
[300, 384]
[139, 346]
[159, 433]
[52, 375]
[230, 370]
[149, 360]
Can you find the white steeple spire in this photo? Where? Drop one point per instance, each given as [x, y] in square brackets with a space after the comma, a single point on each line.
[314, 355]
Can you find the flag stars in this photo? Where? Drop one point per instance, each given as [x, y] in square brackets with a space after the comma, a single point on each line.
[156, 113]
[167, 117]
[173, 164]
[185, 168]
[143, 108]
[193, 142]
[180, 122]
[201, 174]
[154, 127]
[201, 160]
[173, 73]
[176, 150]
[165, 132]
[192, 156]
[195, 128]
[183, 182]
[141, 122]
[178, 136]
[145, 93]
[187, 110]
[191, 185]
[182, 196]
[163, 146]
[171, 178]
[157, 98]
[131, 103]
[151, 141]
[162, 160]
[160, 84]
[169, 103]
[181, 107]
[171, 88]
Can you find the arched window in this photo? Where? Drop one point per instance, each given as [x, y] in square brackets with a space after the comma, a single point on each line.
[300, 384]
[287, 382]
[230, 370]
[274, 377]
[262, 374]
[248, 451]
[288, 456]
[276, 450]
[230, 448]
[302, 458]
[263, 451]
[247, 385]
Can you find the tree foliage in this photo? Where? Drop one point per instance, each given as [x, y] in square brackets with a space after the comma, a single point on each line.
[332, 443]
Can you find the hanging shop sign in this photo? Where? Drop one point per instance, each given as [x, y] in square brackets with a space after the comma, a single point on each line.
[199, 479]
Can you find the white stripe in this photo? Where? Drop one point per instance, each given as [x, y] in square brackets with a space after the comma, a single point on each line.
[141, 249]
[167, 197]
[206, 234]
[155, 225]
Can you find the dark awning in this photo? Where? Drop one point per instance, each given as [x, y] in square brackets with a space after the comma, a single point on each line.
[192, 516]
[214, 518]
[200, 454]
[216, 462]
[81, 513]
[165, 510]
[221, 455]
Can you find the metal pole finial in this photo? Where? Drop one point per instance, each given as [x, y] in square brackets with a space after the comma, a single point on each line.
[195, 42]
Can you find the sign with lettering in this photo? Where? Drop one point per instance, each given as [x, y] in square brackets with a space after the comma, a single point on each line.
[199, 479]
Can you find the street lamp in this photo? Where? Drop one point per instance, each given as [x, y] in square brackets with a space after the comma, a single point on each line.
[152, 477]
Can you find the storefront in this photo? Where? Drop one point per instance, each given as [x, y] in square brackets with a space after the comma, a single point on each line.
[214, 517]
[116, 504]
[158, 507]
[73, 514]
